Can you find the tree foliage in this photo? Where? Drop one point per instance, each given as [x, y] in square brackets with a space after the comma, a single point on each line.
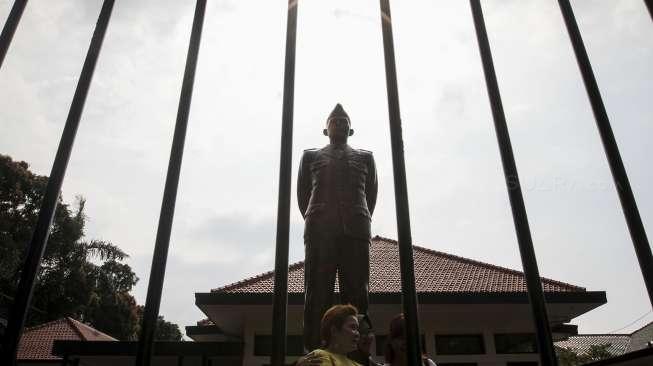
[83, 279]
[164, 329]
[572, 357]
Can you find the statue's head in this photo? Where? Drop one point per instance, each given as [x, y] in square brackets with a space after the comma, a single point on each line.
[338, 125]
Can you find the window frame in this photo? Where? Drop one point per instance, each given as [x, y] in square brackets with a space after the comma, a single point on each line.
[530, 335]
[477, 336]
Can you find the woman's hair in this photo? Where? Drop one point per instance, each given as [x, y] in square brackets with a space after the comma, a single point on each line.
[335, 317]
[397, 330]
[364, 319]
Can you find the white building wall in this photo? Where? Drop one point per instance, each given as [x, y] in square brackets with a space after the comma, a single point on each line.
[484, 319]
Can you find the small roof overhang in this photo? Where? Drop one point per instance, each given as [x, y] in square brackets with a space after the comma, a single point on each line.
[593, 298]
[563, 331]
[210, 333]
[226, 309]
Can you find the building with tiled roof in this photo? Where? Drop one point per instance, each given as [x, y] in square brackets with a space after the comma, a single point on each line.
[471, 312]
[435, 272]
[617, 344]
[36, 343]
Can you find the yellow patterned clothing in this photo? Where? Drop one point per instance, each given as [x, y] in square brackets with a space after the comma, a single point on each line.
[334, 359]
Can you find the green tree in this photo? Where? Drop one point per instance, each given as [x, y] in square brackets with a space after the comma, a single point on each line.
[111, 308]
[572, 357]
[20, 193]
[165, 331]
[84, 279]
[598, 352]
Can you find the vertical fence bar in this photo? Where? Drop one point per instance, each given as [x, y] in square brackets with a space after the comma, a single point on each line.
[526, 250]
[41, 233]
[280, 305]
[10, 27]
[626, 196]
[162, 242]
[408, 291]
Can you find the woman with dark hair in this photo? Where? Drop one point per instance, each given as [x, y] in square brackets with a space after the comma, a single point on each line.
[339, 334]
[363, 354]
[395, 347]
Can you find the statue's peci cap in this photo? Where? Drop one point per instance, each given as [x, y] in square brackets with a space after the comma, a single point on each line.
[338, 112]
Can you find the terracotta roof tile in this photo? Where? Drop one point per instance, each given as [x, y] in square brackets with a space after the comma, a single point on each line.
[434, 272]
[582, 342]
[619, 343]
[36, 343]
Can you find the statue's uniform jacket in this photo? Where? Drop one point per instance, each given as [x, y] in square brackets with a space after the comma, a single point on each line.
[336, 190]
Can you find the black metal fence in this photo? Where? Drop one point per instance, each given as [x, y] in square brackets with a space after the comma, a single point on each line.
[39, 240]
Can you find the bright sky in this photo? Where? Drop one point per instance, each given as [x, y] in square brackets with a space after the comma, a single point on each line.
[224, 228]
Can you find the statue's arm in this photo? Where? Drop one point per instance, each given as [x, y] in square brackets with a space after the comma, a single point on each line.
[304, 183]
[372, 185]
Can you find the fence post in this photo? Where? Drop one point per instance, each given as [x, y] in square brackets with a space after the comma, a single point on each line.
[23, 297]
[162, 242]
[10, 27]
[649, 6]
[408, 291]
[625, 192]
[526, 250]
[280, 305]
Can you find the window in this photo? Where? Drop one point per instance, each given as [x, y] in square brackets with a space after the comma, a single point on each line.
[459, 344]
[263, 345]
[382, 339]
[515, 343]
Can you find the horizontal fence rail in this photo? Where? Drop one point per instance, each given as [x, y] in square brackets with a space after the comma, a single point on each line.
[162, 241]
[23, 298]
[524, 239]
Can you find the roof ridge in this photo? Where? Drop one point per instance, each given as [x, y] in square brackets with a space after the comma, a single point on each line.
[72, 324]
[77, 324]
[255, 278]
[477, 262]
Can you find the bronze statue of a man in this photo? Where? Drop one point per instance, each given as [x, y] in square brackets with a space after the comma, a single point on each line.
[336, 192]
